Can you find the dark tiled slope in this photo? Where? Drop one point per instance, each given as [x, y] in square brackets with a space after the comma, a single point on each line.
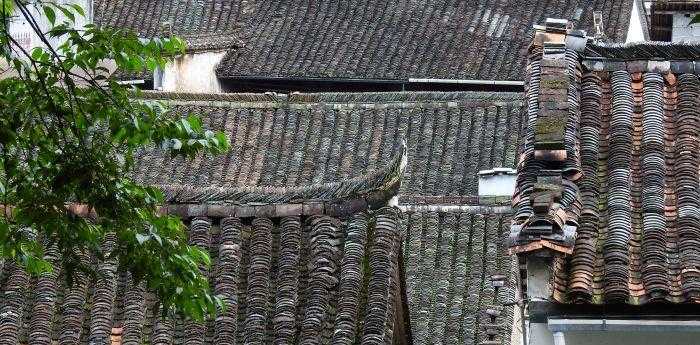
[449, 259]
[403, 39]
[316, 138]
[203, 24]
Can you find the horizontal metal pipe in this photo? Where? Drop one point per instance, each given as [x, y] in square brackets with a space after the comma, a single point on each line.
[467, 81]
[626, 325]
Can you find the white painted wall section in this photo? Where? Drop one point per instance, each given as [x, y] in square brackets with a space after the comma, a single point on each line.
[682, 32]
[193, 72]
[635, 31]
[497, 182]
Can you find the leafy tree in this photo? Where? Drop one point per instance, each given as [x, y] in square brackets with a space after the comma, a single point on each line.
[68, 135]
[695, 19]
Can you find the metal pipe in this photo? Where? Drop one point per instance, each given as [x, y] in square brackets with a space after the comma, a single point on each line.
[467, 81]
[624, 325]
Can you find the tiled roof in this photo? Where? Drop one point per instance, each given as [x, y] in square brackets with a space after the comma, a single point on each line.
[292, 279]
[324, 138]
[399, 40]
[675, 5]
[207, 24]
[450, 259]
[620, 168]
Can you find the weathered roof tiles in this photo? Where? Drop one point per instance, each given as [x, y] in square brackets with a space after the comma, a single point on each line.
[325, 138]
[636, 209]
[390, 40]
[286, 278]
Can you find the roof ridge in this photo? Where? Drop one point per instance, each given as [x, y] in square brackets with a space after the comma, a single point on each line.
[334, 97]
[648, 50]
[383, 181]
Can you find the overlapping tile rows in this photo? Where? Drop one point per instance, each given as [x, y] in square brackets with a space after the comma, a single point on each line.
[319, 138]
[369, 39]
[451, 259]
[345, 287]
[210, 24]
[639, 188]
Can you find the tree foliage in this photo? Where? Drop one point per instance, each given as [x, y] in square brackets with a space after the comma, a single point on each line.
[68, 135]
[695, 20]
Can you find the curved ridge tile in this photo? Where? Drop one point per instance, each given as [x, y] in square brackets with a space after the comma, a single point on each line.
[654, 258]
[583, 260]
[258, 281]
[527, 166]
[287, 296]
[324, 240]
[13, 304]
[73, 308]
[134, 312]
[163, 330]
[616, 250]
[200, 237]
[103, 296]
[687, 187]
[384, 244]
[46, 290]
[351, 278]
[226, 286]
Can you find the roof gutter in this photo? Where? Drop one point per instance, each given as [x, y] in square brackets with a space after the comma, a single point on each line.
[621, 325]
[467, 81]
[394, 81]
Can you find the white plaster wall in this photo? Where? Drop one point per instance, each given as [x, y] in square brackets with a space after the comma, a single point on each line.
[496, 185]
[682, 31]
[540, 335]
[193, 72]
[20, 29]
[635, 31]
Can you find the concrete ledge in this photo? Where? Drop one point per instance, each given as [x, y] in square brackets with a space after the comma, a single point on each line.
[624, 325]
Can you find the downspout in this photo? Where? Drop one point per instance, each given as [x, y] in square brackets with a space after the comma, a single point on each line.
[559, 338]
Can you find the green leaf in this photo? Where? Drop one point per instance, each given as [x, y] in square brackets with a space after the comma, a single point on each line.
[67, 13]
[50, 14]
[78, 9]
[695, 20]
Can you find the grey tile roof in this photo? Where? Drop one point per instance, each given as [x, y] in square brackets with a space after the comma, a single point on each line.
[370, 39]
[291, 279]
[208, 24]
[450, 258]
[322, 138]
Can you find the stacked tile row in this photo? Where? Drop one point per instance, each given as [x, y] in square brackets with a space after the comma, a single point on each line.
[546, 197]
[451, 259]
[288, 280]
[450, 137]
[687, 146]
[587, 232]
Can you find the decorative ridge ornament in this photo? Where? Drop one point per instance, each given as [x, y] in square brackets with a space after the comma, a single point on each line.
[550, 213]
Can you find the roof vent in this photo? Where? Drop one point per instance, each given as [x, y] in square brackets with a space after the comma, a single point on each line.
[167, 29]
[598, 24]
[497, 182]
